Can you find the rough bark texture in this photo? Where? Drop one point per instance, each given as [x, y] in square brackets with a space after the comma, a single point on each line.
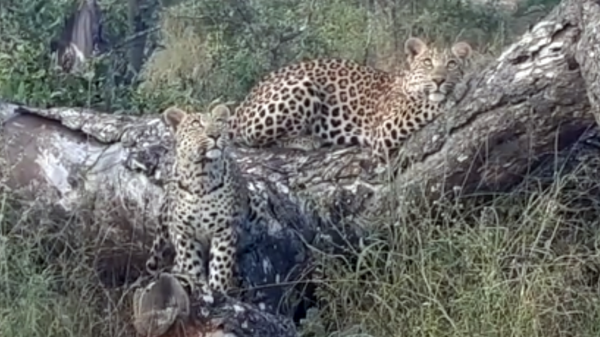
[162, 308]
[538, 98]
[530, 102]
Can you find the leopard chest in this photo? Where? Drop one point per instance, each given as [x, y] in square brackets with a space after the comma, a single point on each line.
[202, 215]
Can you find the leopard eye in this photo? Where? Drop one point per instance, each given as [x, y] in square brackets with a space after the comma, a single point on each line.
[196, 123]
[427, 62]
[451, 64]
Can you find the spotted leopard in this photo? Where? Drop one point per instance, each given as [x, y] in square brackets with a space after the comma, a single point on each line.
[325, 102]
[205, 200]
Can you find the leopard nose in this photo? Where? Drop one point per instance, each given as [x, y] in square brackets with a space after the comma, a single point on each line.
[438, 80]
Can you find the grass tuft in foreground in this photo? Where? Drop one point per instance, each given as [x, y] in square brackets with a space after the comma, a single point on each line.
[522, 265]
[48, 286]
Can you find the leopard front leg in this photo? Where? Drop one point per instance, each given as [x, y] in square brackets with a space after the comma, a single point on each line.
[189, 263]
[157, 252]
[222, 260]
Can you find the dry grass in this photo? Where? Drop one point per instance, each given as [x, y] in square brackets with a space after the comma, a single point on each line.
[521, 264]
[184, 59]
[54, 275]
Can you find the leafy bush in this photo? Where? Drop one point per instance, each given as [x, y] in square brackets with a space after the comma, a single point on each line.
[211, 48]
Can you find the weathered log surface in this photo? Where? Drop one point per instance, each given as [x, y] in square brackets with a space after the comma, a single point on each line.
[530, 102]
[163, 308]
[538, 98]
[48, 161]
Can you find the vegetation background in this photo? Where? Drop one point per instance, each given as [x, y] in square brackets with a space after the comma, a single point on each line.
[521, 265]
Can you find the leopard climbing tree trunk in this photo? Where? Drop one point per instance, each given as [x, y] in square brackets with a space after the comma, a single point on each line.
[537, 98]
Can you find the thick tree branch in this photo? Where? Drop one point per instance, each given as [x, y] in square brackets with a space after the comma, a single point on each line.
[530, 102]
[163, 308]
[587, 52]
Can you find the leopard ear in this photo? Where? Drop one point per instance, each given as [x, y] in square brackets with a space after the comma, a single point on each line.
[220, 113]
[462, 49]
[173, 116]
[413, 47]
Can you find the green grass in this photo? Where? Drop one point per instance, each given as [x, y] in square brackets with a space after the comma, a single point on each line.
[29, 304]
[48, 286]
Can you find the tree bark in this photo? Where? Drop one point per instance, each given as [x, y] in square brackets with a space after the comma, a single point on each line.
[530, 102]
[93, 180]
[536, 99]
[163, 308]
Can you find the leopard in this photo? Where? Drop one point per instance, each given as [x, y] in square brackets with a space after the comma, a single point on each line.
[337, 102]
[206, 197]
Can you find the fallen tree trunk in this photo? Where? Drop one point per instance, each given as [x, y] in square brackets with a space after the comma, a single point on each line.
[535, 100]
[163, 308]
[531, 102]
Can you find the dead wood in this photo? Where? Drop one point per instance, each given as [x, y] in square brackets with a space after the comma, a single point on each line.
[162, 308]
[535, 100]
[80, 38]
[530, 103]
[114, 183]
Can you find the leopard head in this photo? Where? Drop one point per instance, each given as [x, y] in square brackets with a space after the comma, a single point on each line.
[199, 138]
[434, 72]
